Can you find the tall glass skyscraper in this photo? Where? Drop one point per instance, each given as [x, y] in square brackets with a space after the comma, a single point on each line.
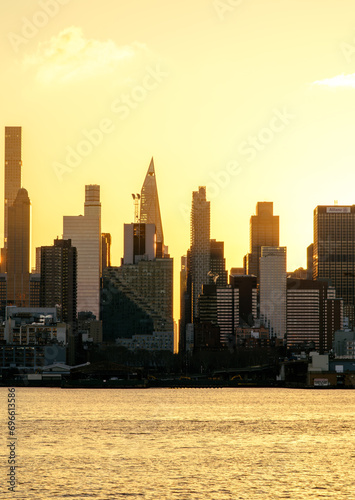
[149, 208]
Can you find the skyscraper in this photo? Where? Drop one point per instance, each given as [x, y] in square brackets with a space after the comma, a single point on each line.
[200, 251]
[12, 179]
[273, 289]
[334, 251]
[218, 273]
[18, 250]
[149, 208]
[59, 279]
[13, 163]
[264, 231]
[84, 231]
[138, 295]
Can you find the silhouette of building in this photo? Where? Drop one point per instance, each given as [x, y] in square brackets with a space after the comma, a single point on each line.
[59, 279]
[218, 273]
[13, 164]
[84, 231]
[264, 231]
[247, 287]
[313, 314]
[137, 299]
[18, 251]
[334, 250]
[149, 208]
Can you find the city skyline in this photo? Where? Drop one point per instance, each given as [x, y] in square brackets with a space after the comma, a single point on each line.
[232, 101]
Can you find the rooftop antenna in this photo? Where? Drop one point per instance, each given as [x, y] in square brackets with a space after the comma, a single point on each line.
[136, 198]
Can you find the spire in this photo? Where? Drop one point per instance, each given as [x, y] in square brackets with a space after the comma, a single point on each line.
[150, 211]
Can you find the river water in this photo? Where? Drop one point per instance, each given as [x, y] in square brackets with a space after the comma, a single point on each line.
[214, 444]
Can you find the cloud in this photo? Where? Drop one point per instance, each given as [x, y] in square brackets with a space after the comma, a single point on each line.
[70, 57]
[338, 81]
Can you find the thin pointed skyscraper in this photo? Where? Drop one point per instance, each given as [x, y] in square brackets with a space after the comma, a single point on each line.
[149, 209]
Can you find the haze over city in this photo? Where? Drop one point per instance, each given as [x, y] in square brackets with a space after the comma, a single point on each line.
[252, 99]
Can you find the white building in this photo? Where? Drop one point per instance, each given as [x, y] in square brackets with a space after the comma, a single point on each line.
[85, 234]
[273, 289]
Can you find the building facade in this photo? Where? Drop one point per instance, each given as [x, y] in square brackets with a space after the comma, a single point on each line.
[334, 251]
[18, 251]
[84, 231]
[150, 209]
[273, 290]
[13, 165]
[263, 231]
[200, 250]
[59, 279]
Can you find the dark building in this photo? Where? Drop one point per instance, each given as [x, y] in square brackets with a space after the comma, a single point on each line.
[35, 290]
[334, 251]
[185, 301]
[137, 297]
[207, 305]
[18, 251]
[218, 273]
[206, 337]
[264, 231]
[313, 314]
[3, 299]
[59, 279]
[247, 297]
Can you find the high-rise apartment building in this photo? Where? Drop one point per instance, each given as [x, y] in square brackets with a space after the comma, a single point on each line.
[149, 208]
[218, 272]
[263, 231]
[18, 250]
[84, 231]
[200, 251]
[334, 251]
[59, 280]
[273, 290]
[313, 314]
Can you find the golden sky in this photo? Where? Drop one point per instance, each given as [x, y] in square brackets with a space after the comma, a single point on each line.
[253, 98]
